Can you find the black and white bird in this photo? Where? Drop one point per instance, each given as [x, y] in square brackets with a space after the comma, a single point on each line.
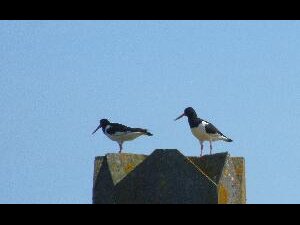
[119, 132]
[203, 130]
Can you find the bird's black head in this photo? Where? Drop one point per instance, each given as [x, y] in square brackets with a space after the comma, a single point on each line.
[103, 124]
[189, 112]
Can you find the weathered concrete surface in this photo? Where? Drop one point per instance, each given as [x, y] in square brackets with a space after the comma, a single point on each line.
[240, 171]
[108, 171]
[167, 176]
[212, 165]
[220, 167]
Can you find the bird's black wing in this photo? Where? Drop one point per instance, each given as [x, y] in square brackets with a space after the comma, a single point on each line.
[137, 130]
[145, 131]
[120, 128]
[211, 129]
[116, 127]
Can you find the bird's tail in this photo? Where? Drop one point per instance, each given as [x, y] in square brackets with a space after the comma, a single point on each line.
[144, 131]
[224, 138]
[148, 133]
[229, 140]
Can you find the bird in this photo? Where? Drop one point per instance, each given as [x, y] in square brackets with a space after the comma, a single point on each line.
[202, 129]
[120, 133]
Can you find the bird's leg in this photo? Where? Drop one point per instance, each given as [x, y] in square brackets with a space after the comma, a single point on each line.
[201, 143]
[120, 145]
[210, 146]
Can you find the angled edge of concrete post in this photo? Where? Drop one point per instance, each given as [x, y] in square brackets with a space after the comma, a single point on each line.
[108, 171]
[166, 176]
[223, 170]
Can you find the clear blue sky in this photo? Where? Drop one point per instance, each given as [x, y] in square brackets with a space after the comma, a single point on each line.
[58, 78]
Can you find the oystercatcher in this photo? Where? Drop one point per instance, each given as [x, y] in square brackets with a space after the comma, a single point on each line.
[203, 130]
[119, 132]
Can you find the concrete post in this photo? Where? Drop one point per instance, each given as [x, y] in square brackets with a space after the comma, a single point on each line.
[166, 176]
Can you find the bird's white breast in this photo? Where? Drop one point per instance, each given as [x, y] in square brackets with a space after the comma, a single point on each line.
[122, 136]
[199, 133]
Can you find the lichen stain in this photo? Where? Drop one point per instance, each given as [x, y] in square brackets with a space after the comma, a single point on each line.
[239, 170]
[128, 167]
[223, 195]
[226, 172]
